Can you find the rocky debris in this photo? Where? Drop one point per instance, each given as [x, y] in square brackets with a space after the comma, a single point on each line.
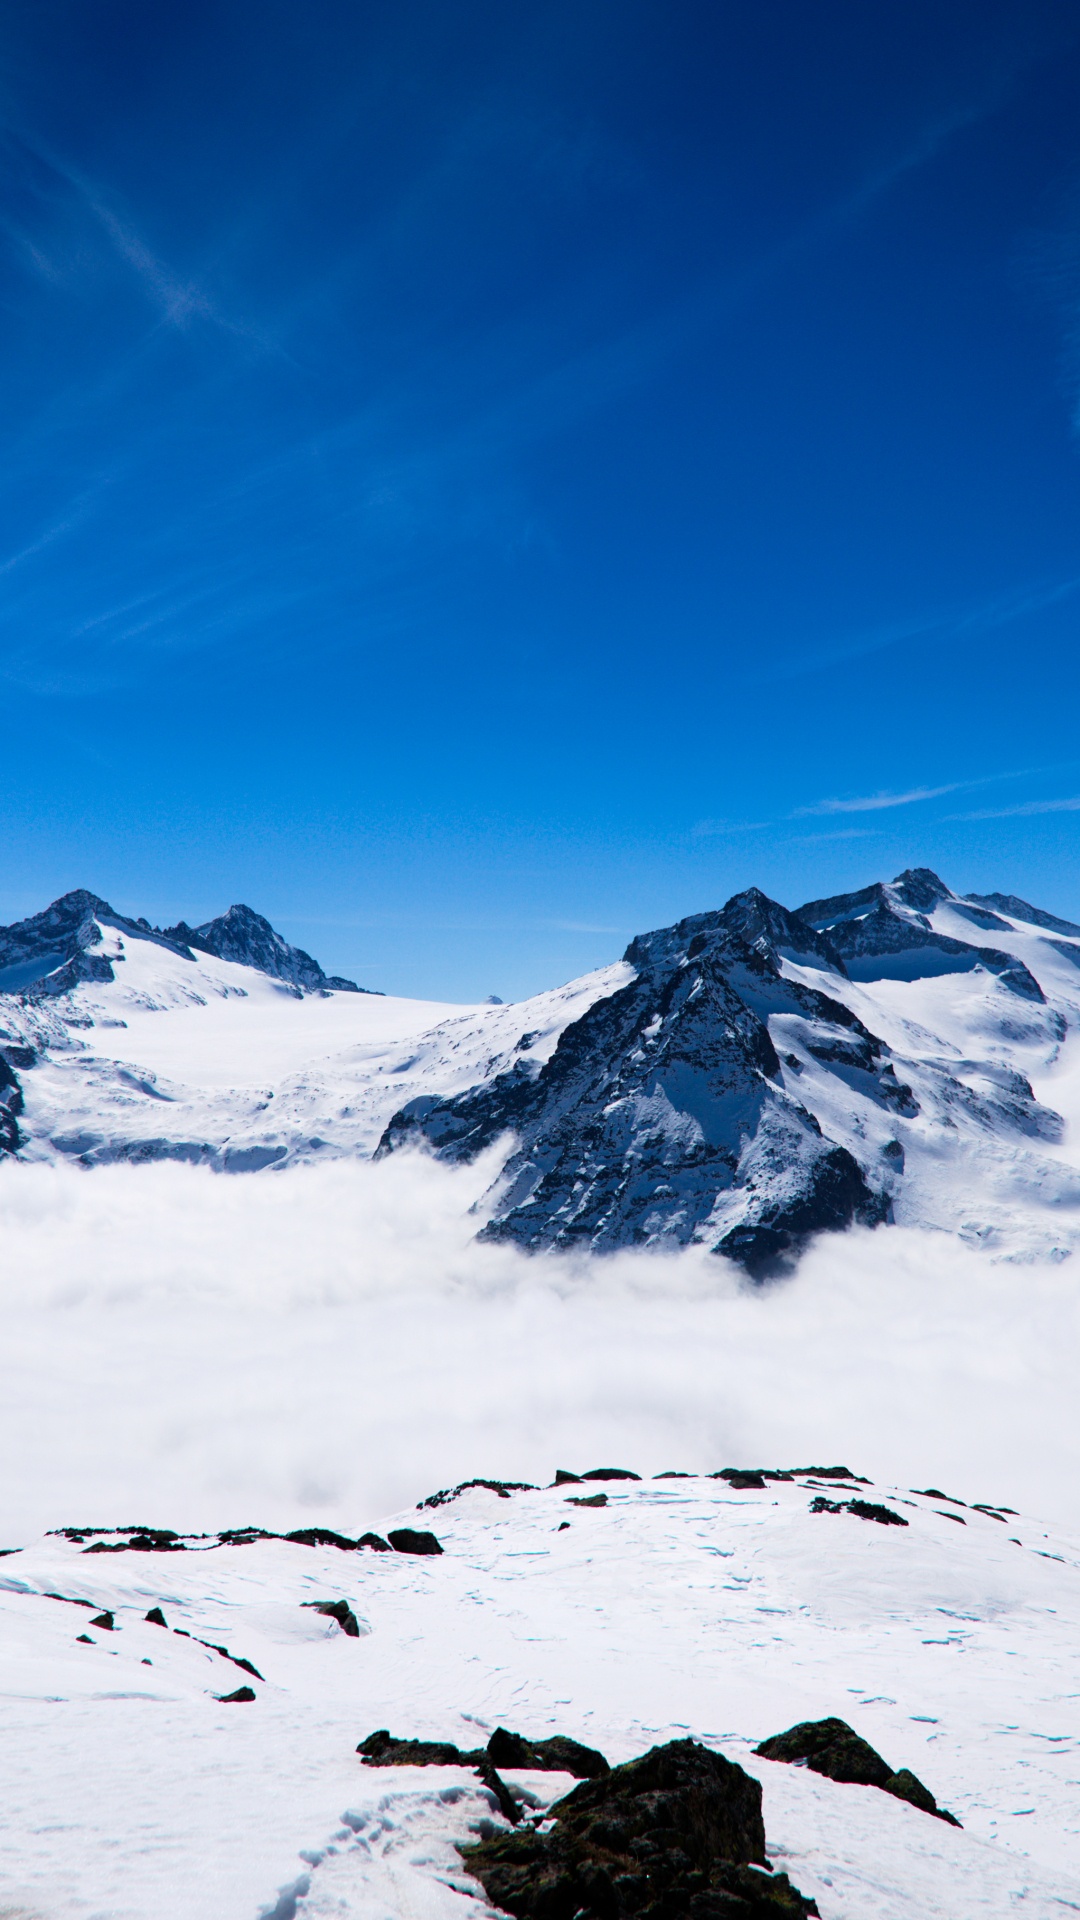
[677, 1832]
[236, 1658]
[588, 1500]
[884, 933]
[556, 1754]
[832, 1748]
[385, 1749]
[156, 1618]
[104, 1620]
[338, 1610]
[242, 1693]
[662, 1118]
[862, 1509]
[504, 1488]
[565, 1479]
[164, 1540]
[412, 1540]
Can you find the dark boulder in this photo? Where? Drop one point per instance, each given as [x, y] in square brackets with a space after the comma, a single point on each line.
[832, 1748]
[413, 1540]
[677, 1832]
[504, 1488]
[862, 1509]
[554, 1755]
[338, 1610]
[384, 1749]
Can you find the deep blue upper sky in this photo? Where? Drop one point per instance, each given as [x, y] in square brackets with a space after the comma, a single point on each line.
[479, 480]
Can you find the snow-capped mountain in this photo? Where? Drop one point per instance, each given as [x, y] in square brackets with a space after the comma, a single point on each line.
[742, 1079]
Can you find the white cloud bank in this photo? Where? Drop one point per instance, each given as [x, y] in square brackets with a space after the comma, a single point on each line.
[323, 1346]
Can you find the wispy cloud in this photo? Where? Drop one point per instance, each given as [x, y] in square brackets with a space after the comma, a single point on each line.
[1002, 610]
[875, 802]
[710, 829]
[842, 833]
[1023, 811]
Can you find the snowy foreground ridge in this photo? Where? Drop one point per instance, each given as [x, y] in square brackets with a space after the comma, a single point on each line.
[741, 1080]
[618, 1612]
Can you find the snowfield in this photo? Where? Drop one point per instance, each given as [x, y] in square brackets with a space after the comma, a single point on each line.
[678, 1607]
[325, 1342]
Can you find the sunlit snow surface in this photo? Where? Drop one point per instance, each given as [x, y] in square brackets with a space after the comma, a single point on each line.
[327, 1343]
[680, 1607]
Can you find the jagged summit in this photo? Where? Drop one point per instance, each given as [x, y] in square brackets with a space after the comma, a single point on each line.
[52, 952]
[740, 1080]
[244, 936]
[884, 932]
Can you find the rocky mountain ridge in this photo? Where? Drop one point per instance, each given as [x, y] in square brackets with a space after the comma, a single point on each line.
[668, 1114]
[741, 1080]
[52, 952]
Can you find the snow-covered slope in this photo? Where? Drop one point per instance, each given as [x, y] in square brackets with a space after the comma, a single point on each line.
[743, 1079]
[677, 1607]
[744, 1090]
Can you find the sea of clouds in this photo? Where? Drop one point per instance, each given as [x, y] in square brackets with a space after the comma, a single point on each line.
[330, 1344]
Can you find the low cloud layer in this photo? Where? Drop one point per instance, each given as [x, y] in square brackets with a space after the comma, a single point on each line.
[328, 1345]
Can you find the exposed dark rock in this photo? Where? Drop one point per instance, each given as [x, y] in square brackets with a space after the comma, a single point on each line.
[104, 1620]
[242, 1693]
[504, 1799]
[413, 1540]
[504, 1488]
[756, 1477]
[588, 1500]
[246, 937]
[338, 1610]
[1022, 910]
[321, 1537]
[85, 1639]
[157, 1540]
[832, 1748]
[54, 951]
[884, 933]
[164, 1540]
[384, 1749]
[556, 1754]
[236, 1658]
[862, 1509]
[832, 1473]
[661, 1116]
[564, 1479]
[156, 1618]
[677, 1832]
[11, 1105]
[610, 1473]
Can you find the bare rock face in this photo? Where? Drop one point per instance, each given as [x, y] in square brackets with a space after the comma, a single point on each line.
[832, 1748]
[677, 1832]
[662, 1117]
[884, 933]
[244, 936]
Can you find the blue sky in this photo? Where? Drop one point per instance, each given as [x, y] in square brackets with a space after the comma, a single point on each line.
[479, 481]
